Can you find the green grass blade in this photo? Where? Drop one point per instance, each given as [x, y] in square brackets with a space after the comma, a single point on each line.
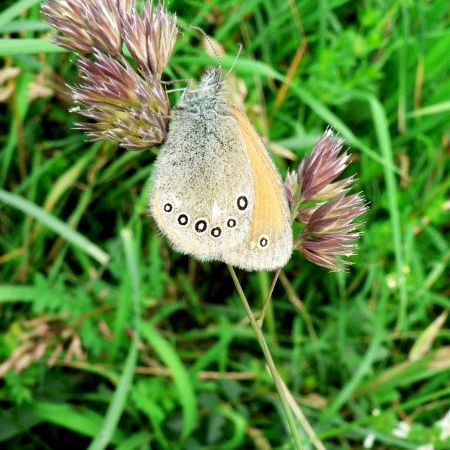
[20, 105]
[183, 383]
[16, 9]
[79, 420]
[10, 427]
[139, 440]
[237, 437]
[21, 26]
[384, 142]
[11, 293]
[331, 119]
[233, 19]
[350, 387]
[117, 405]
[437, 108]
[55, 224]
[105, 434]
[9, 47]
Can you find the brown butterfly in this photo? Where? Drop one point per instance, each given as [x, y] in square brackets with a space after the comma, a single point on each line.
[216, 193]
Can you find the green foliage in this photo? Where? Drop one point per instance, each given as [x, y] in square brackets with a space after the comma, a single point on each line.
[361, 351]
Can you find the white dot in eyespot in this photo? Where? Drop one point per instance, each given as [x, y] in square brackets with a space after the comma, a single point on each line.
[183, 219]
[168, 207]
[263, 241]
[200, 226]
[242, 203]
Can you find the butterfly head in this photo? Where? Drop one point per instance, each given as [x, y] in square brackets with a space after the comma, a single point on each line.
[208, 95]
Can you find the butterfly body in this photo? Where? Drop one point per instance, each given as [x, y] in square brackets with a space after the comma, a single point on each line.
[216, 193]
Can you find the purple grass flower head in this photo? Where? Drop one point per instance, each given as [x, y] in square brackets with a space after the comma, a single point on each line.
[321, 203]
[126, 105]
[317, 172]
[331, 233]
[150, 37]
[88, 25]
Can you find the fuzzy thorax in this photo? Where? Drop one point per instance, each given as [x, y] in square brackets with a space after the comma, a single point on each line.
[210, 95]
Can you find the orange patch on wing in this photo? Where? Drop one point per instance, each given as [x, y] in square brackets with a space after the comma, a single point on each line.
[270, 212]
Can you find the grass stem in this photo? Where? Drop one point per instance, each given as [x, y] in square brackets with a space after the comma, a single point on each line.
[270, 362]
[268, 298]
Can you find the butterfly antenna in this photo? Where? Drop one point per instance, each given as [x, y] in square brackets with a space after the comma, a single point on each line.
[171, 91]
[208, 40]
[180, 80]
[240, 47]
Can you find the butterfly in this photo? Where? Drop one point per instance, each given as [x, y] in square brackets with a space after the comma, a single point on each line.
[216, 193]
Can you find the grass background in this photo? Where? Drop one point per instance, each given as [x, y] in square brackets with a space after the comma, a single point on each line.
[82, 267]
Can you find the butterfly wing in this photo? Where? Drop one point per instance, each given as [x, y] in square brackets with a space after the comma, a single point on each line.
[268, 244]
[202, 194]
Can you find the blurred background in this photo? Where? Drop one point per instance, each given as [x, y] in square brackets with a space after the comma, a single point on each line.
[365, 353]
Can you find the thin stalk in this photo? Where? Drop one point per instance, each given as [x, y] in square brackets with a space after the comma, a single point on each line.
[298, 305]
[302, 418]
[271, 364]
[268, 298]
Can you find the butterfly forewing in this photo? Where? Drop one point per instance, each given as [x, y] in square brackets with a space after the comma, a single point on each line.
[202, 194]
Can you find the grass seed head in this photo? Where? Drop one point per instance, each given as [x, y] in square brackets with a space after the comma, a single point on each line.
[323, 206]
[126, 105]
